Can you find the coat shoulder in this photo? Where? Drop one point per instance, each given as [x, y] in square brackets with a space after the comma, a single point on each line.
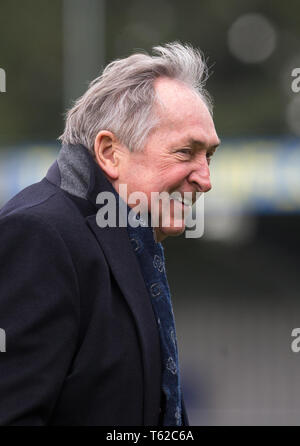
[42, 198]
[49, 205]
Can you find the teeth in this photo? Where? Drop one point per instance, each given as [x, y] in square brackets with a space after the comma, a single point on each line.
[185, 201]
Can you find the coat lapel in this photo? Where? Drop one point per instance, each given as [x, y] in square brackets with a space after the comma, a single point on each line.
[124, 265]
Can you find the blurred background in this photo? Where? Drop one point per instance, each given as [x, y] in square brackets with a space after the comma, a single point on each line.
[236, 290]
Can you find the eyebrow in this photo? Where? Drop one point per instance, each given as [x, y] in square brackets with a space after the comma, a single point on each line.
[194, 142]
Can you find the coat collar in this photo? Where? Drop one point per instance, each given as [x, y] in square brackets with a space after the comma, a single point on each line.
[76, 172]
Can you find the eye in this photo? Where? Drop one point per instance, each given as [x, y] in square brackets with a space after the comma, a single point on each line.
[185, 151]
[209, 157]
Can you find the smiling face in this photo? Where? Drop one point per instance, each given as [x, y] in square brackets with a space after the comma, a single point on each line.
[176, 154]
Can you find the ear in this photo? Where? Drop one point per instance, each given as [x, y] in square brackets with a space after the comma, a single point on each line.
[106, 153]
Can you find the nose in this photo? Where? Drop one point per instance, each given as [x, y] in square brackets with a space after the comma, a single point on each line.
[200, 177]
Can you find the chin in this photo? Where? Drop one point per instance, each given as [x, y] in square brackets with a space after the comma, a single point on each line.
[172, 231]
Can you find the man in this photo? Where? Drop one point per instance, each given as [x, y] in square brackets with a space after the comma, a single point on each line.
[90, 335]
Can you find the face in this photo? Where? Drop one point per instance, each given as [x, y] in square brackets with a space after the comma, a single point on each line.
[176, 155]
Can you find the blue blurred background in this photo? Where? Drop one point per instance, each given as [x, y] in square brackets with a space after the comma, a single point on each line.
[236, 290]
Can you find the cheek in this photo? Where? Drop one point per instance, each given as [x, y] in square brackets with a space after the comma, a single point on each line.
[143, 181]
[175, 177]
[159, 175]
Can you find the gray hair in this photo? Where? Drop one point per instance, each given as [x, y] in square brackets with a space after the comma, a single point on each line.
[122, 99]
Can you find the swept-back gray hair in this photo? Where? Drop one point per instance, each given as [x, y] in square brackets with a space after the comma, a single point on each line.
[122, 99]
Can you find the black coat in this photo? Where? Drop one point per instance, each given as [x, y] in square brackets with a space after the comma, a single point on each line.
[82, 343]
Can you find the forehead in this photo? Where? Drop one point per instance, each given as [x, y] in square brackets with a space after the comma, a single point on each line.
[183, 114]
